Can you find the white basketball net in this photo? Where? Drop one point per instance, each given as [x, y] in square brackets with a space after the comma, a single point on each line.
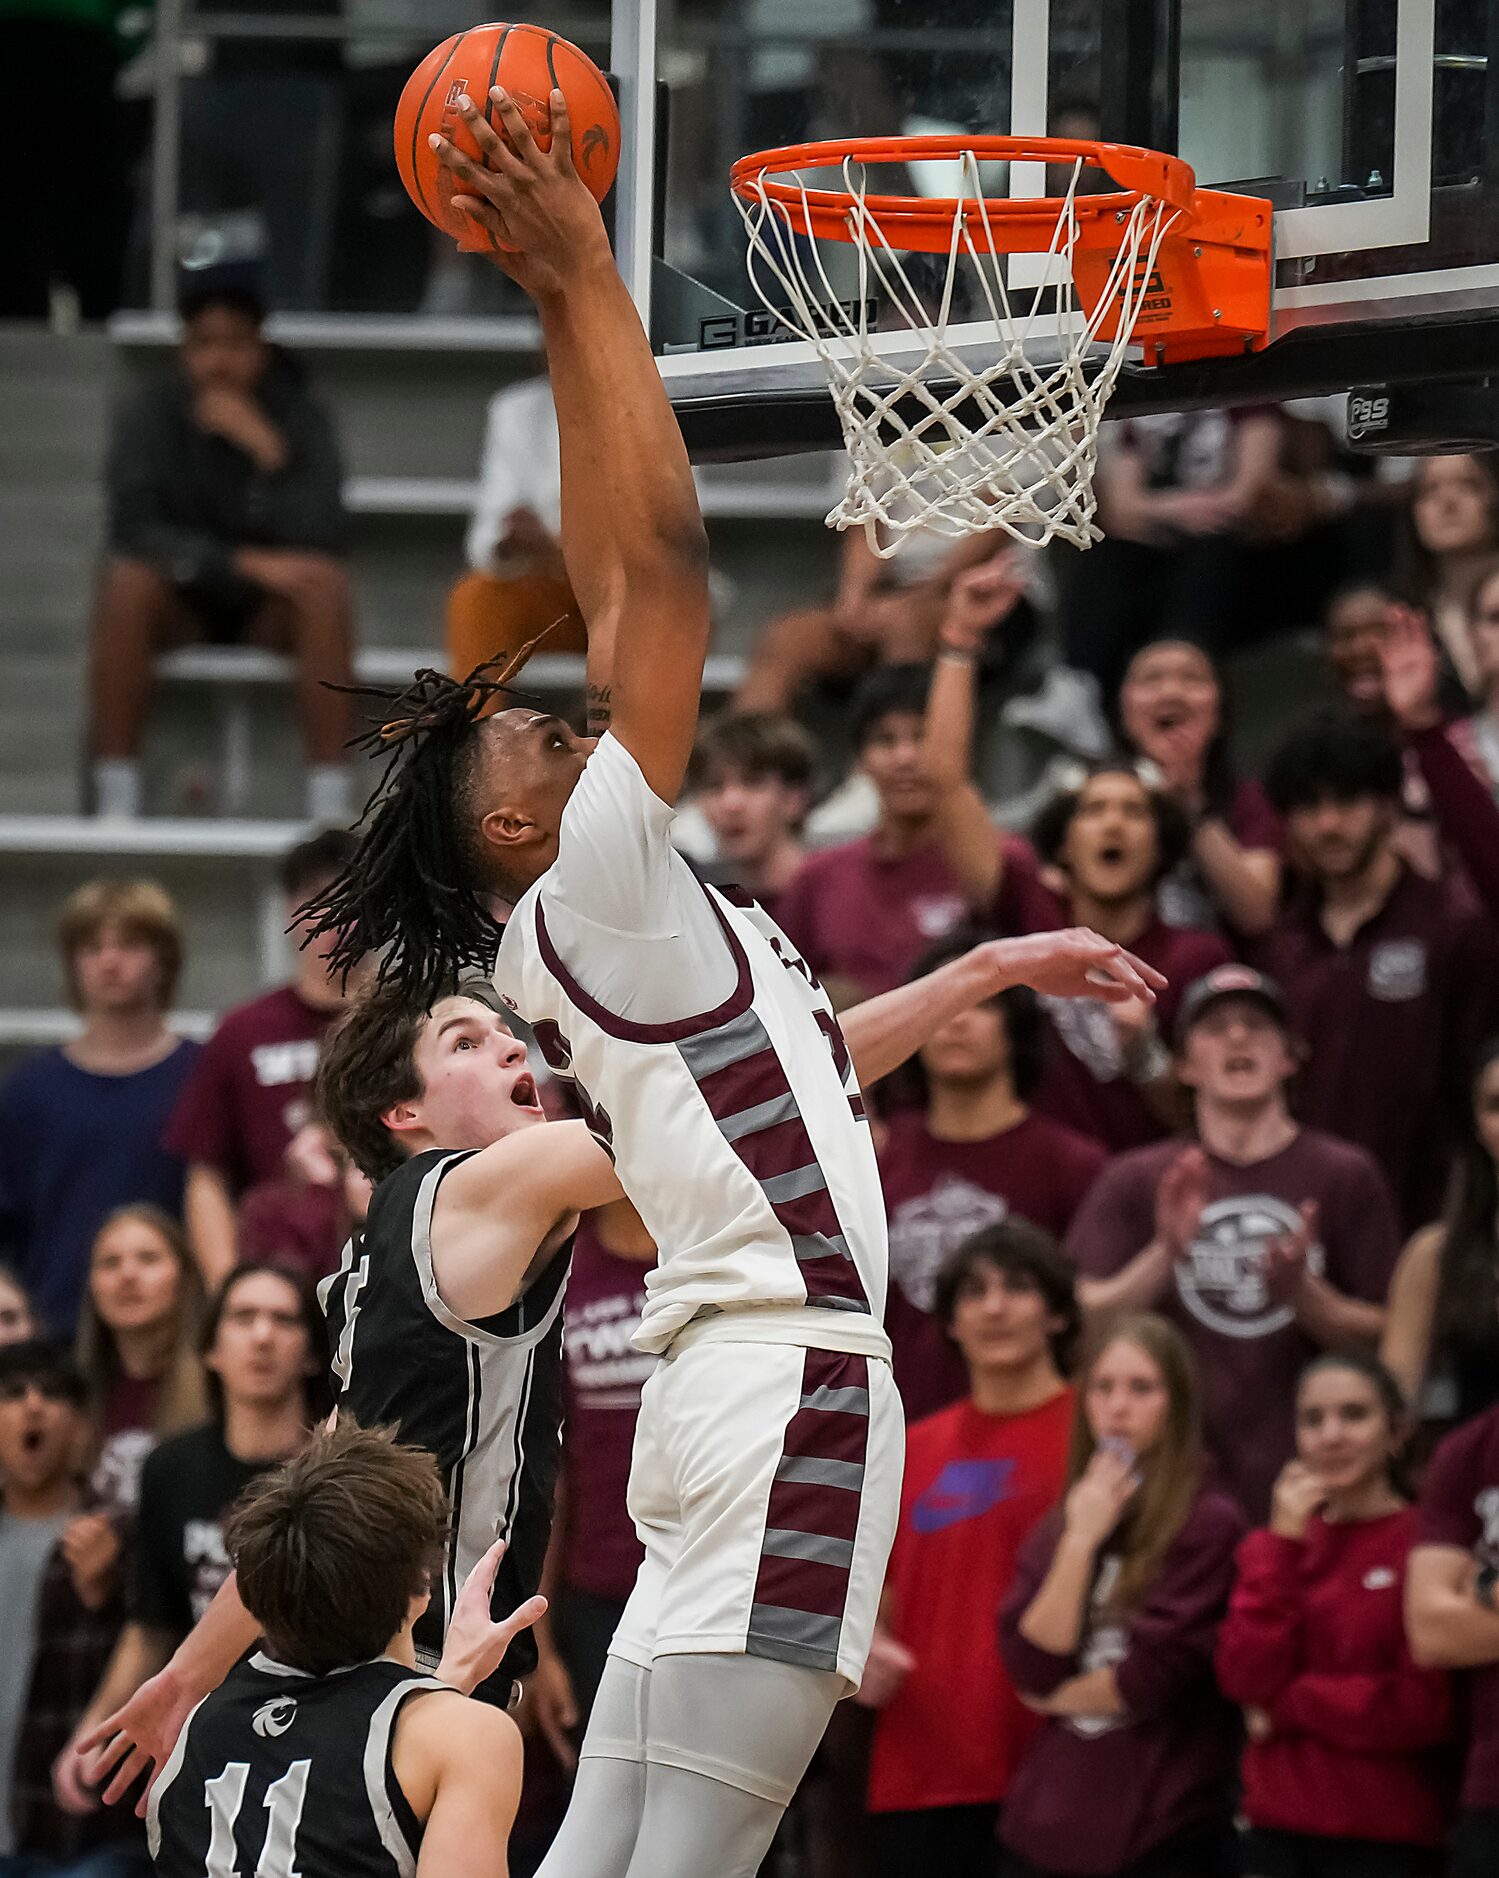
[1011, 444]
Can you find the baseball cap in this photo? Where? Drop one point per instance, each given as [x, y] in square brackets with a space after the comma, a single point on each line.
[1229, 981]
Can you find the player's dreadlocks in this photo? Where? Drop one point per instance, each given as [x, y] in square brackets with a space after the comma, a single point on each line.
[411, 892]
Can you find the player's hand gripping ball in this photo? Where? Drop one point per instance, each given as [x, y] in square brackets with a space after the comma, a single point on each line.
[529, 62]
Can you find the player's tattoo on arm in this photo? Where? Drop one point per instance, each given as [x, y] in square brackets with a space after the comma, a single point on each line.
[600, 709]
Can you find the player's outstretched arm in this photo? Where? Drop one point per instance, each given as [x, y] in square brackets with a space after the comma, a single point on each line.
[495, 1211]
[143, 1730]
[632, 530]
[1072, 963]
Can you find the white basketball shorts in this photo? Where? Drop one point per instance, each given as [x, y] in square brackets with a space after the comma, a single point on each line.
[765, 1487]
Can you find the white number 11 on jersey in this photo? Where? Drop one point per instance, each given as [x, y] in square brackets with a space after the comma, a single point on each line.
[224, 1795]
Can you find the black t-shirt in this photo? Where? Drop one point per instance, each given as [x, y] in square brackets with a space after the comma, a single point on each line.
[187, 1488]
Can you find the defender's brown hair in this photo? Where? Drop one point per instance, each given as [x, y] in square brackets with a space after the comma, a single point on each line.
[143, 910]
[331, 1548]
[368, 1064]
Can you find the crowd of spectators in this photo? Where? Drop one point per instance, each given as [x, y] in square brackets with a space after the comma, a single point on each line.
[1194, 1306]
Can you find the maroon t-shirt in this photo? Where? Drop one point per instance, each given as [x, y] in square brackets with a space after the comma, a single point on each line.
[1460, 1506]
[858, 915]
[1249, 1349]
[604, 1374]
[295, 1224]
[247, 1095]
[127, 1419]
[1094, 1793]
[939, 1193]
[1085, 1084]
[1391, 1022]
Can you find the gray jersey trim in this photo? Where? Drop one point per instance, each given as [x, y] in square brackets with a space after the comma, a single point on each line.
[421, 1253]
[377, 1760]
[168, 1774]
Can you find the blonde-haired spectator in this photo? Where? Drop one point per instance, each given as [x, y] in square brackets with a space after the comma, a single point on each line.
[81, 1124]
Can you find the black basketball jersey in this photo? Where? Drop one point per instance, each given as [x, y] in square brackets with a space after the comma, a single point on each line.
[286, 1775]
[485, 1399]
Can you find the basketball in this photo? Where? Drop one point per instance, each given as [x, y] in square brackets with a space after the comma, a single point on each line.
[529, 62]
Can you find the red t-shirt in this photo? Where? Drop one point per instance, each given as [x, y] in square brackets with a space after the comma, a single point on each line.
[1460, 1507]
[1085, 1084]
[1315, 1637]
[247, 1095]
[939, 1193]
[1391, 1022]
[867, 918]
[974, 1486]
[1249, 1348]
[604, 1374]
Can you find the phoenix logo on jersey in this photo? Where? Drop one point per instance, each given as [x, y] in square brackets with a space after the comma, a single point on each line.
[274, 1717]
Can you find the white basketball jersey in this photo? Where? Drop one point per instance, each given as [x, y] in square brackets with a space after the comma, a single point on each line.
[708, 1061]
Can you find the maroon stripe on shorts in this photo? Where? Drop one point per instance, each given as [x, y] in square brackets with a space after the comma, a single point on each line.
[811, 1517]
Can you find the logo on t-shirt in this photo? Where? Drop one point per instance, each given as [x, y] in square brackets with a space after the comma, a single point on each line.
[1105, 1645]
[1486, 1506]
[925, 1229]
[274, 1717]
[1090, 1033]
[1222, 1279]
[277, 1064]
[963, 1490]
[1378, 1578]
[936, 914]
[116, 1479]
[203, 1550]
[1397, 970]
[603, 1364]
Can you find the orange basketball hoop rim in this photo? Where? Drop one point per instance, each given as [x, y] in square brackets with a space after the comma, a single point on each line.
[1208, 294]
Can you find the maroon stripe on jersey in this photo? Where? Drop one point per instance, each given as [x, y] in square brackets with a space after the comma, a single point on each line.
[780, 1149]
[832, 1284]
[810, 1213]
[612, 1024]
[801, 1593]
[743, 1085]
[738, 1072]
[814, 1216]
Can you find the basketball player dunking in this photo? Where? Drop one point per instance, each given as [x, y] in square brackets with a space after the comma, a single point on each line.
[708, 1060]
[709, 1063]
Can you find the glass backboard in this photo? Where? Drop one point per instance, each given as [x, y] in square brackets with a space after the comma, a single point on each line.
[1369, 124]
